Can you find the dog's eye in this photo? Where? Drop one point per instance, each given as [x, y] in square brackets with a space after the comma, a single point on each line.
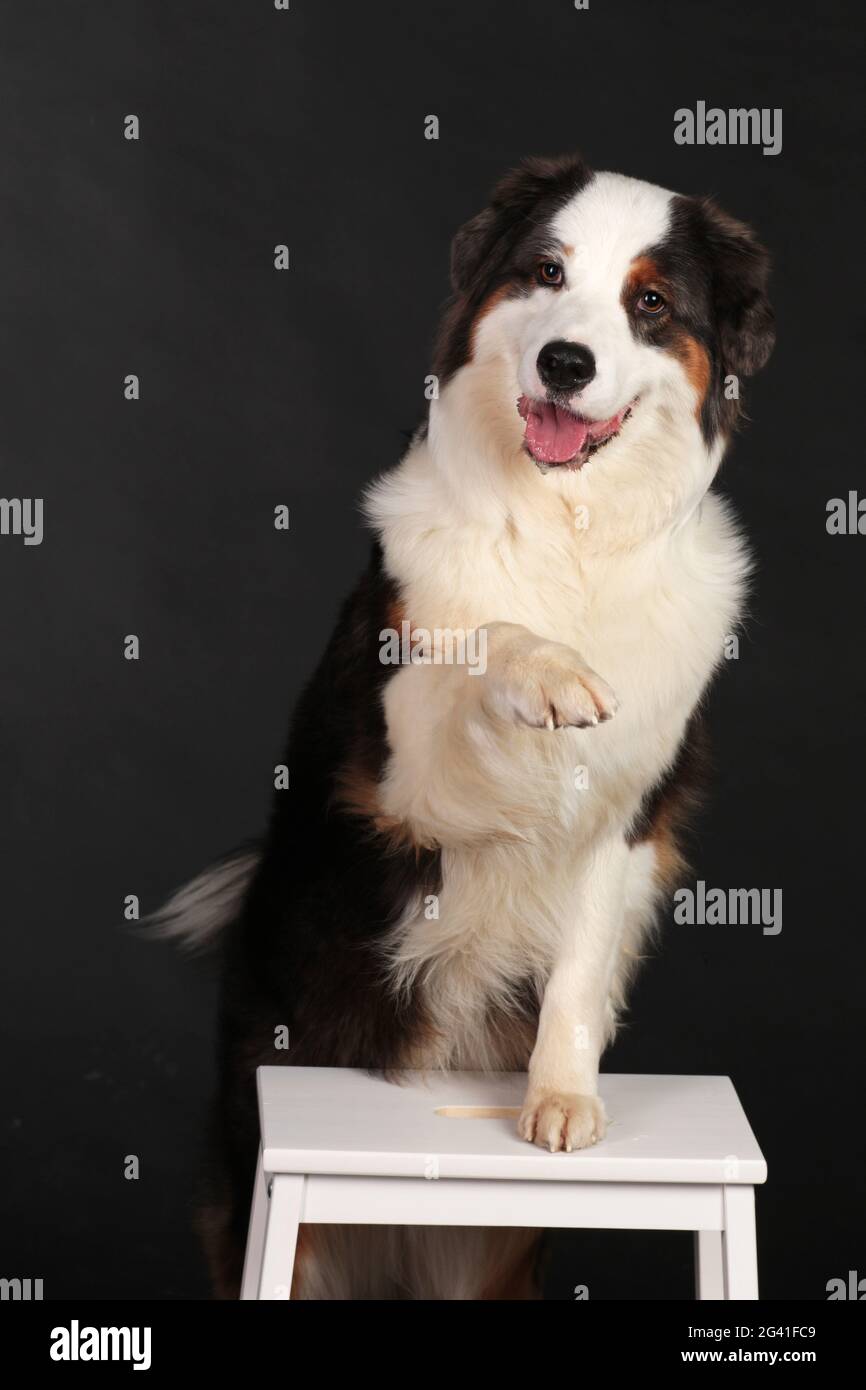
[549, 273]
[651, 302]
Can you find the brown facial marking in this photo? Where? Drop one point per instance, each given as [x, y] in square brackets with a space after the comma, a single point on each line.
[695, 361]
[643, 274]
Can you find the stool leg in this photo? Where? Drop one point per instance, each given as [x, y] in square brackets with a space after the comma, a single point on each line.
[709, 1265]
[255, 1234]
[281, 1236]
[739, 1245]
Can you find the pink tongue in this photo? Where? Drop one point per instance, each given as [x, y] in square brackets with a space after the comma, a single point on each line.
[552, 435]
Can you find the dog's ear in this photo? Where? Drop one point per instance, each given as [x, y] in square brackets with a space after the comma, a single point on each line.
[530, 191]
[469, 248]
[740, 269]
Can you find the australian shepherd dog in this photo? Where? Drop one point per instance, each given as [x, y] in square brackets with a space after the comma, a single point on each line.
[472, 850]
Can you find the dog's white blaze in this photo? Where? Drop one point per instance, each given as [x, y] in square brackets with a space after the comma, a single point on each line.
[537, 880]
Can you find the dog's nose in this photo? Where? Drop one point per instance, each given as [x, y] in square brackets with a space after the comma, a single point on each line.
[565, 366]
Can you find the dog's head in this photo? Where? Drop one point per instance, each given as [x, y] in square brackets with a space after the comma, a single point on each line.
[597, 320]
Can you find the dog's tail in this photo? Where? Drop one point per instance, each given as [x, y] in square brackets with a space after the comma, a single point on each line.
[195, 916]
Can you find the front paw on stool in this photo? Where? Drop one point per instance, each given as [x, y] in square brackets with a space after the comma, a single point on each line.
[557, 1120]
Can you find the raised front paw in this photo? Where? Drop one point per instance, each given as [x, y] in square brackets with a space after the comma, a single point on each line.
[547, 686]
[557, 1120]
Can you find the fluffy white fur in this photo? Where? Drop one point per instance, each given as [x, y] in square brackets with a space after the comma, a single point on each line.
[196, 914]
[607, 590]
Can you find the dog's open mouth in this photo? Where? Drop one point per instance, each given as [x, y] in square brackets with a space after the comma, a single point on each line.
[559, 438]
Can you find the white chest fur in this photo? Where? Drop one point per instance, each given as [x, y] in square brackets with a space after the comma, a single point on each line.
[651, 619]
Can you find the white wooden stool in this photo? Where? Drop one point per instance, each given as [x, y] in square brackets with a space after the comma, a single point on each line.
[341, 1146]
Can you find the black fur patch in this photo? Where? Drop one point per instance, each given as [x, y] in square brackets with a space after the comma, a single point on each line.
[306, 951]
[330, 886]
[667, 806]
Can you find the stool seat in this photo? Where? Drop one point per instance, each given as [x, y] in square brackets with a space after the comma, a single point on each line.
[661, 1128]
[342, 1146]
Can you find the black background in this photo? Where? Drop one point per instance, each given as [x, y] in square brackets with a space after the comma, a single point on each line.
[258, 387]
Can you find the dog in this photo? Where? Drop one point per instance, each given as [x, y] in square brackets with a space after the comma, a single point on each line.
[469, 860]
